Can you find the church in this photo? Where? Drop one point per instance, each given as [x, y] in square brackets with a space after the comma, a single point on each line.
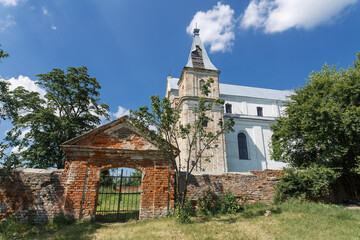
[253, 110]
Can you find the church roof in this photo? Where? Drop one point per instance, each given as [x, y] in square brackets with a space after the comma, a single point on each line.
[198, 57]
[253, 92]
[242, 91]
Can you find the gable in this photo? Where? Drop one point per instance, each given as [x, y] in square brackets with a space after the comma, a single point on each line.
[119, 134]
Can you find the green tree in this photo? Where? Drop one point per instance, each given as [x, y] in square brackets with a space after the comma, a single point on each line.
[70, 107]
[168, 132]
[3, 54]
[321, 123]
[3, 95]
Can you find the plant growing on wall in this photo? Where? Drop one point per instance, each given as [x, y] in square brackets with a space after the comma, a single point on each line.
[168, 130]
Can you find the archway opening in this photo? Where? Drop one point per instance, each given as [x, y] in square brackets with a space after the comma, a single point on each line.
[119, 195]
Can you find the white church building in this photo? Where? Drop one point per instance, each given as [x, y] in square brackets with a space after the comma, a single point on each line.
[253, 110]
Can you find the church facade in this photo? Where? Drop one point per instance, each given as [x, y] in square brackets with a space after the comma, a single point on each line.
[253, 110]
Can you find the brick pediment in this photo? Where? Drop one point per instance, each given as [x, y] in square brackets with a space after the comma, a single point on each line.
[119, 134]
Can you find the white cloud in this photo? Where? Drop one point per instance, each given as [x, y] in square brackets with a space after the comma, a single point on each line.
[16, 149]
[45, 11]
[216, 27]
[27, 83]
[121, 112]
[7, 22]
[7, 3]
[53, 27]
[280, 15]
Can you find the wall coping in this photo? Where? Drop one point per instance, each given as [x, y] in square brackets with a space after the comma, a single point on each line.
[35, 170]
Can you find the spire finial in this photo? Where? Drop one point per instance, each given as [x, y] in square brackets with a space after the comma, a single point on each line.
[196, 30]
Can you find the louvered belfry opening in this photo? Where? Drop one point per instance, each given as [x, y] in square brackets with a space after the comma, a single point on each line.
[197, 58]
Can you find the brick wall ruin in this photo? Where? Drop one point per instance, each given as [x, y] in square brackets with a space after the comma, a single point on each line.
[40, 194]
[34, 193]
[253, 186]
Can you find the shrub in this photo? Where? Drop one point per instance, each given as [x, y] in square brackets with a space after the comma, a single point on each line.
[183, 215]
[229, 203]
[209, 203]
[313, 184]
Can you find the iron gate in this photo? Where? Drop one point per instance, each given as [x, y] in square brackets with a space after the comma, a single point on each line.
[119, 195]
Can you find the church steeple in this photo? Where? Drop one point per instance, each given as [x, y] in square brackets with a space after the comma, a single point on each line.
[198, 57]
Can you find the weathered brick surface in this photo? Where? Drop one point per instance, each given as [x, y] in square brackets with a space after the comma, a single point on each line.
[81, 181]
[116, 144]
[35, 193]
[253, 186]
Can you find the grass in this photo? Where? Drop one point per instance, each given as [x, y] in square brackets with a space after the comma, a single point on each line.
[110, 202]
[290, 220]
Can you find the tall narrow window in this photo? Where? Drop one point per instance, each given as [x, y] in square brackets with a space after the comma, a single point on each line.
[242, 144]
[259, 111]
[228, 108]
[202, 82]
[204, 123]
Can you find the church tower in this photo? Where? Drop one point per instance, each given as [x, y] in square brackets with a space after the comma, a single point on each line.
[196, 72]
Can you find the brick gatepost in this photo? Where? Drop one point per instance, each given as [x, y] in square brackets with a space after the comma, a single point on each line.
[113, 145]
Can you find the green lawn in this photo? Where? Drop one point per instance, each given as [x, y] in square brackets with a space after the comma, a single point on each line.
[109, 207]
[290, 220]
[110, 202]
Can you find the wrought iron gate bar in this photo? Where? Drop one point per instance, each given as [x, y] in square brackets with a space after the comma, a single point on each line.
[119, 195]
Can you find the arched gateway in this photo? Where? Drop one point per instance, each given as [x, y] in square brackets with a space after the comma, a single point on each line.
[117, 144]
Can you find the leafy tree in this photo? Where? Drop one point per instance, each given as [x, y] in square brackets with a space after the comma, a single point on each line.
[168, 132]
[321, 123]
[71, 107]
[3, 95]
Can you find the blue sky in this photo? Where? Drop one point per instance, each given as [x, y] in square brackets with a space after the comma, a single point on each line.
[131, 46]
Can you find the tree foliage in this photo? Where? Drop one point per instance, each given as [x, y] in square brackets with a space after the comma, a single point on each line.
[168, 131]
[3, 95]
[69, 108]
[321, 123]
[315, 183]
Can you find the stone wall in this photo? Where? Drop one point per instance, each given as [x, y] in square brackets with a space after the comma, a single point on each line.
[35, 193]
[253, 186]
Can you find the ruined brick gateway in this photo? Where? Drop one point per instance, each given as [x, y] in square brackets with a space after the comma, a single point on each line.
[113, 145]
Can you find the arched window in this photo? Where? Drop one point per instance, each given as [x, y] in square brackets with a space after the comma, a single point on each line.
[242, 145]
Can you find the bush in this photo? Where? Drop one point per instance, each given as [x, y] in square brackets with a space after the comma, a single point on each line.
[312, 184]
[229, 203]
[183, 215]
[209, 203]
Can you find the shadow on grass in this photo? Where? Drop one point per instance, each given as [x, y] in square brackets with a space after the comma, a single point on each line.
[256, 211]
[78, 231]
[228, 220]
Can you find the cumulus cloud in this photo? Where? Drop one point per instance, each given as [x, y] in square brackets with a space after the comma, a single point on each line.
[27, 83]
[45, 11]
[7, 3]
[53, 27]
[280, 15]
[216, 27]
[6, 22]
[121, 112]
